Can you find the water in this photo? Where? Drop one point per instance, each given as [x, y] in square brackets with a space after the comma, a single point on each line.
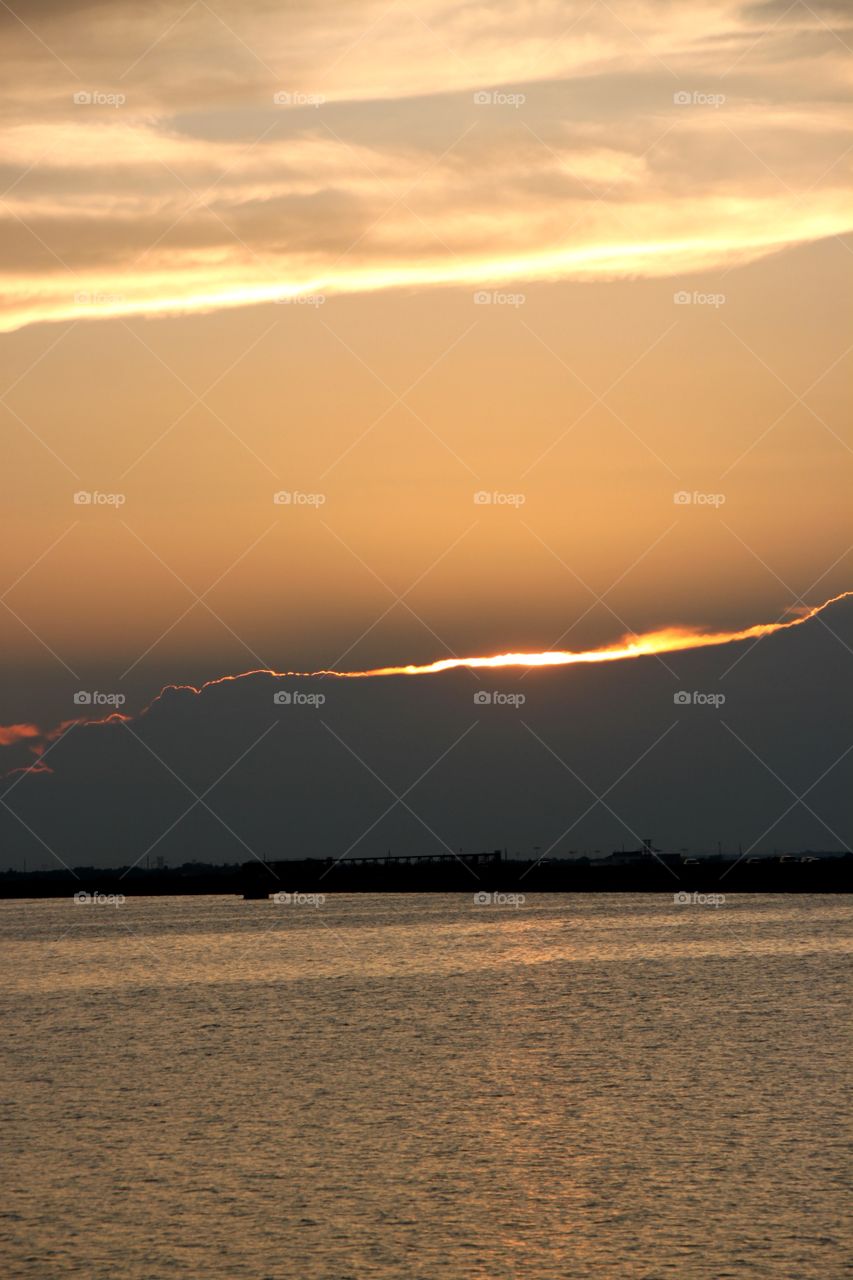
[419, 1087]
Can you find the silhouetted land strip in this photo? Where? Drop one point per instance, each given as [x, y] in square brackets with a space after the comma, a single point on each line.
[493, 873]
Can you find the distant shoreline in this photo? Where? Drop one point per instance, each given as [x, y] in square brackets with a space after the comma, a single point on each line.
[483, 874]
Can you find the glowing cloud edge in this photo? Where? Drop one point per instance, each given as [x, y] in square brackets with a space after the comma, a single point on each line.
[665, 640]
[650, 644]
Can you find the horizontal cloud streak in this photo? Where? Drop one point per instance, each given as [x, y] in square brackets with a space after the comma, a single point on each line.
[667, 640]
[458, 145]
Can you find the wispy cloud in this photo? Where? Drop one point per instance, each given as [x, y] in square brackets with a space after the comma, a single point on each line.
[188, 158]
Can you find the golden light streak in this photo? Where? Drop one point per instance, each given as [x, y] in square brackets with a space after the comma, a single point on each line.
[666, 640]
[228, 284]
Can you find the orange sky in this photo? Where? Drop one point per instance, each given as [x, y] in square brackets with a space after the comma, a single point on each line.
[545, 158]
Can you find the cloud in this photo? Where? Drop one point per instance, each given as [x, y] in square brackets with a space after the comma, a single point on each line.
[13, 733]
[230, 773]
[457, 145]
[814, 13]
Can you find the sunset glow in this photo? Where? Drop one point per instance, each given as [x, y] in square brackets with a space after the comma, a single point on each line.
[416, 416]
[667, 640]
[229, 285]
[347, 174]
[382, 340]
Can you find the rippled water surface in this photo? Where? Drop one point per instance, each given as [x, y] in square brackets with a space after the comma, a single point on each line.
[383, 1087]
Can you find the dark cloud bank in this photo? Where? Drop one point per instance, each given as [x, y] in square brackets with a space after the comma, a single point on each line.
[316, 780]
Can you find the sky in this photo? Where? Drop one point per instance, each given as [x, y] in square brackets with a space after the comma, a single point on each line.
[357, 335]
